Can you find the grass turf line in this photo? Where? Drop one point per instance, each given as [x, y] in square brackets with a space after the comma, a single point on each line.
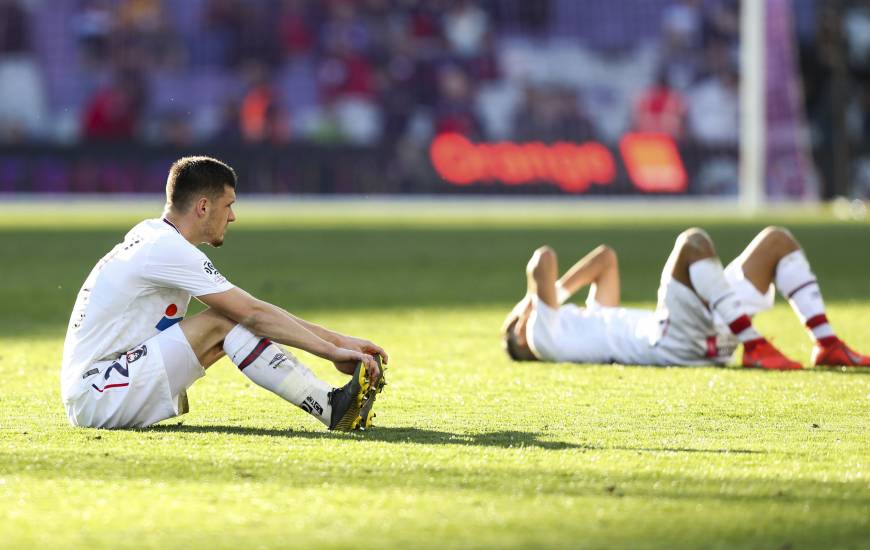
[470, 450]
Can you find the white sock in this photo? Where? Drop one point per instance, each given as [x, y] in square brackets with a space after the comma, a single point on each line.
[797, 284]
[268, 366]
[708, 279]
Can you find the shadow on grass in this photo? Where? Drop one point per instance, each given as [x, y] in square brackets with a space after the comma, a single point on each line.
[503, 439]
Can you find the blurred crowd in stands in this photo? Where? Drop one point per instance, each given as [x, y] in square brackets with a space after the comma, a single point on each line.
[386, 72]
[834, 42]
[362, 71]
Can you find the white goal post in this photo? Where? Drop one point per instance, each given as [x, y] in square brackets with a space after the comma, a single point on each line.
[752, 109]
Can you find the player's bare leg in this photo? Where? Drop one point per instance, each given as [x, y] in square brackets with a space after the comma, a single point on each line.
[694, 263]
[775, 256]
[692, 245]
[212, 335]
[761, 256]
[205, 332]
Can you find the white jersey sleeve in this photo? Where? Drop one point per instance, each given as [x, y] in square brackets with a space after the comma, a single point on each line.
[178, 264]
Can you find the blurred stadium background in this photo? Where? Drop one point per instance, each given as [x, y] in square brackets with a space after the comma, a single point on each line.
[436, 97]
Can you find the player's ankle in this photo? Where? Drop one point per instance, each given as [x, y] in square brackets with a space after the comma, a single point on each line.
[750, 345]
[827, 341]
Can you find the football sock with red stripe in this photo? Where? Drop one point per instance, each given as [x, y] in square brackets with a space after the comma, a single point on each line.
[741, 327]
[797, 283]
[708, 280]
[270, 367]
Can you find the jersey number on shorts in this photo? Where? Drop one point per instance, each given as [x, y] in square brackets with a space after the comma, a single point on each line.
[122, 372]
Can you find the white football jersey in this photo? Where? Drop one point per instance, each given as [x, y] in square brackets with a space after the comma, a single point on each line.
[680, 331]
[140, 288]
[606, 335]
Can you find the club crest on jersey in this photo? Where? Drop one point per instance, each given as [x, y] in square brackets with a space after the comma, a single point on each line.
[169, 318]
[136, 354]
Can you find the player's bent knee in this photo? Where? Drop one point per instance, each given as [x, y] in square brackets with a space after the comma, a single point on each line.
[696, 242]
[779, 236]
[694, 234]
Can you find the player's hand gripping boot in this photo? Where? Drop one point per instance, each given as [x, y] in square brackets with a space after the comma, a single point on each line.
[352, 403]
[347, 400]
[366, 416]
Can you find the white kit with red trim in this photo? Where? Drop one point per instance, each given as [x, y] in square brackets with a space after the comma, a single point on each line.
[139, 289]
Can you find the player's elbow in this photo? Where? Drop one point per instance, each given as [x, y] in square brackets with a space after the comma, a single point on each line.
[607, 254]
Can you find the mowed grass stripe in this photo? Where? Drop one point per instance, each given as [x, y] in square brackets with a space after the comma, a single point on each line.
[470, 450]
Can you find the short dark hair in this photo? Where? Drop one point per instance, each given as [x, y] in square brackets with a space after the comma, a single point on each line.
[512, 346]
[190, 177]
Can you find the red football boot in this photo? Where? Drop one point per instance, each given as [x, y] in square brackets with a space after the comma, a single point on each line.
[833, 352]
[760, 354]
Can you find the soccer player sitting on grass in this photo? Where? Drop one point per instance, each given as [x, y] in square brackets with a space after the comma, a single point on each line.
[703, 310]
[130, 355]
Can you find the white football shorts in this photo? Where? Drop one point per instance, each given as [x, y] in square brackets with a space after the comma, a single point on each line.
[689, 332]
[145, 385]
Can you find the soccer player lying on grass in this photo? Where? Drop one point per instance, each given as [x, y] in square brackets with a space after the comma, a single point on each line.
[703, 310]
[130, 355]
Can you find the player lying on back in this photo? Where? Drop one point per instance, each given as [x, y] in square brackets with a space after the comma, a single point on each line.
[703, 310]
[130, 355]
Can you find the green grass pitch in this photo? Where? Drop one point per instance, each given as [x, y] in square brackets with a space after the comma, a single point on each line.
[470, 450]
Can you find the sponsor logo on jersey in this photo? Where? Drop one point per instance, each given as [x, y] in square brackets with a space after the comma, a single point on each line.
[169, 318]
[136, 354]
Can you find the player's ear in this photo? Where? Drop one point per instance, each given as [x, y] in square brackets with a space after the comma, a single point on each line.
[201, 206]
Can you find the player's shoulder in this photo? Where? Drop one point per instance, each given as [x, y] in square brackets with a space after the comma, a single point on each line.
[151, 229]
[163, 239]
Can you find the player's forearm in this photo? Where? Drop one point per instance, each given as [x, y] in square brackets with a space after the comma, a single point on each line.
[587, 270]
[322, 332]
[274, 323]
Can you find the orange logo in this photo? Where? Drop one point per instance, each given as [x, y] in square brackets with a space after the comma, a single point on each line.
[573, 167]
[652, 161]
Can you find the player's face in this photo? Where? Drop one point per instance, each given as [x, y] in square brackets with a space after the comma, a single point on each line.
[220, 216]
[519, 331]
